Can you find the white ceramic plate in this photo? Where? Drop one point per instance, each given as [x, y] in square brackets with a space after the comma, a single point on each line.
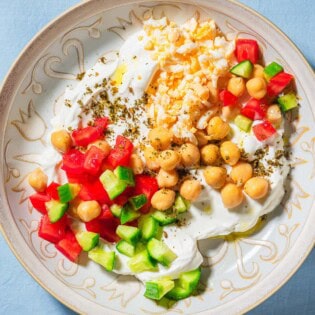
[238, 273]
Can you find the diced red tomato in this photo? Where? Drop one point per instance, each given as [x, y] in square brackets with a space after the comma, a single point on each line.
[69, 246]
[52, 232]
[101, 123]
[120, 155]
[73, 162]
[94, 190]
[255, 109]
[145, 184]
[227, 98]
[123, 198]
[93, 160]
[278, 83]
[38, 201]
[264, 130]
[84, 136]
[52, 191]
[247, 49]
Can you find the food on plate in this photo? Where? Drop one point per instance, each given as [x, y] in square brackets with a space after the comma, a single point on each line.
[176, 138]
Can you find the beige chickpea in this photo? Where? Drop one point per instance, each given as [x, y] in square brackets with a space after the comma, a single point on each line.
[163, 199]
[274, 115]
[88, 210]
[101, 144]
[136, 164]
[215, 176]
[190, 189]
[230, 112]
[257, 88]
[38, 180]
[167, 179]
[241, 173]
[256, 187]
[230, 152]
[160, 138]
[190, 154]
[202, 138]
[151, 158]
[236, 86]
[210, 154]
[258, 71]
[169, 159]
[61, 140]
[217, 128]
[232, 196]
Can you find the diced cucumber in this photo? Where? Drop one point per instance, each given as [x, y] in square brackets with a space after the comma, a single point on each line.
[116, 210]
[112, 184]
[102, 257]
[243, 69]
[155, 290]
[125, 248]
[149, 227]
[272, 69]
[164, 218]
[55, 210]
[130, 234]
[142, 262]
[288, 102]
[138, 201]
[180, 205]
[125, 174]
[87, 240]
[68, 192]
[128, 215]
[185, 285]
[161, 252]
[243, 123]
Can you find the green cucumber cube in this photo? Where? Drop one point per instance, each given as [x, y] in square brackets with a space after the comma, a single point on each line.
[87, 240]
[138, 201]
[288, 102]
[102, 257]
[116, 210]
[125, 248]
[160, 252]
[128, 215]
[180, 205]
[149, 227]
[272, 69]
[142, 262]
[130, 234]
[125, 174]
[243, 69]
[112, 184]
[155, 290]
[68, 192]
[164, 218]
[243, 123]
[55, 210]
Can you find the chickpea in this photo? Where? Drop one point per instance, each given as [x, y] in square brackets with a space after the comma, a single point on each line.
[215, 176]
[103, 145]
[61, 140]
[136, 164]
[160, 138]
[169, 159]
[210, 154]
[163, 199]
[232, 195]
[274, 115]
[202, 138]
[241, 173]
[167, 179]
[38, 180]
[217, 128]
[151, 158]
[258, 71]
[88, 210]
[236, 86]
[230, 112]
[257, 88]
[190, 154]
[230, 152]
[256, 187]
[73, 207]
[190, 189]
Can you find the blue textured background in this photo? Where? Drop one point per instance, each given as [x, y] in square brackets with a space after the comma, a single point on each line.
[20, 20]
